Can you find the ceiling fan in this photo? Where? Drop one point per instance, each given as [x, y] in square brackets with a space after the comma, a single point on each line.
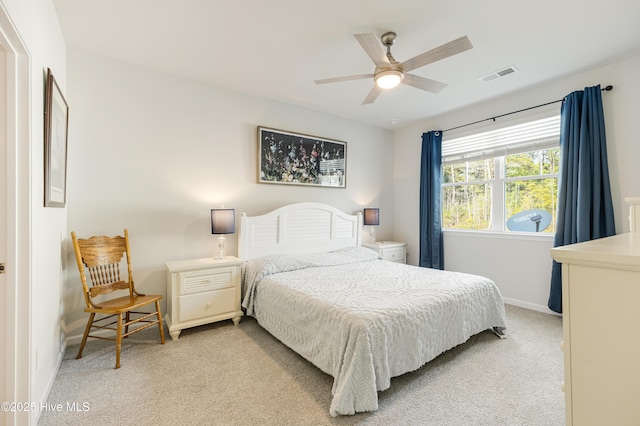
[389, 72]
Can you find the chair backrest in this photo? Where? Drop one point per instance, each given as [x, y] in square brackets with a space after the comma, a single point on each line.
[102, 257]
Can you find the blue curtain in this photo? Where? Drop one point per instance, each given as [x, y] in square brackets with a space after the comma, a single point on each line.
[431, 248]
[585, 210]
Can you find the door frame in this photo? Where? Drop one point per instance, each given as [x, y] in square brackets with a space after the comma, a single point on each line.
[17, 304]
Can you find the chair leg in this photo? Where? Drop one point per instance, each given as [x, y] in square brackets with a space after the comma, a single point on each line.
[160, 322]
[118, 340]
[86, 334]
[126, 327]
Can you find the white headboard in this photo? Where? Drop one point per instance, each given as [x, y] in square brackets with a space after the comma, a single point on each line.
[298, 228]
[634, 213]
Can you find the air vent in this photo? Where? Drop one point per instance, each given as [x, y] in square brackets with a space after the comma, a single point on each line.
[497, 74]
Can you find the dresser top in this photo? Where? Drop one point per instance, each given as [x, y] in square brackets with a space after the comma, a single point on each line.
[632, 200]
[619, 250]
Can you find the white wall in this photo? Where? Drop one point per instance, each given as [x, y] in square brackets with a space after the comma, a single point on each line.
[37, 24]
[154, 153]
[508, 261]
[519, 265]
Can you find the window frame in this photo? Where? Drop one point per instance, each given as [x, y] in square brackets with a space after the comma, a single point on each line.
[497, 219]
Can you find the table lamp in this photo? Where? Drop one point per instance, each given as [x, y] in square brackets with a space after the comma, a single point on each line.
[223, 221]
[371, 219]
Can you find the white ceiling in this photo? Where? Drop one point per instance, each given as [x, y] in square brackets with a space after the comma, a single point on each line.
[277, 48]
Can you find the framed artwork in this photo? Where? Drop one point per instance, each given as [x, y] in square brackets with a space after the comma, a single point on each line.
[296, 159]
[56, 119]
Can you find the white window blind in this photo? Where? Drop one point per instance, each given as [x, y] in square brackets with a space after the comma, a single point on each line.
[530, 136]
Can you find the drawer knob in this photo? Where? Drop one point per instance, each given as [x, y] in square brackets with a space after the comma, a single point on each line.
[562, 386]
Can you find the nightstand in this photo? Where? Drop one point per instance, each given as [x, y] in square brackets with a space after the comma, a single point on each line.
[201, 291]
[393, 251]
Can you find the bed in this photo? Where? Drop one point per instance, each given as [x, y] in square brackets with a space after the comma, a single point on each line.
[358, 318]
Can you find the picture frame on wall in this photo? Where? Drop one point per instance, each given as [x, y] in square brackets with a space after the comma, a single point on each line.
[56, 114]
[296, 159]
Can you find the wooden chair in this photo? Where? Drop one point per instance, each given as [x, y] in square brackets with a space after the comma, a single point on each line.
[102, 257]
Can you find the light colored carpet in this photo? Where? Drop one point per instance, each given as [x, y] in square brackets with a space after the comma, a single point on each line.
[221, 374]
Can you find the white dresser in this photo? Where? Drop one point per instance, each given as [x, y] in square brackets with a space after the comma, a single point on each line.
[634, 213]
[601, 327]
[393, 251]
[201, 291]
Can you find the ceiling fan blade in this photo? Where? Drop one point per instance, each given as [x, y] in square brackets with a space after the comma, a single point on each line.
[345, 78]
[423, 83]
[448, 49]
[373, 94]
[371, 45]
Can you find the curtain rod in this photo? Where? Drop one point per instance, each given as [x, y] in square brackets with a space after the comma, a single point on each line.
[607, 88]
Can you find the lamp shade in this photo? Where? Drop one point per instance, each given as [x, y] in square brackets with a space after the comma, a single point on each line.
[372, 216]
[223, 221]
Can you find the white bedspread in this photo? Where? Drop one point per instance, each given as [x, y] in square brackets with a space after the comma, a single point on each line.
[364, 320]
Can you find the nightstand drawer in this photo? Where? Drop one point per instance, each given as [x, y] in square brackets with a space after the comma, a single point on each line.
[207, 280]
[394, 255]
[205, 304]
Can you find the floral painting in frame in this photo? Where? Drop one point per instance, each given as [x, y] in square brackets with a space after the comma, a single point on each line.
[297, 159]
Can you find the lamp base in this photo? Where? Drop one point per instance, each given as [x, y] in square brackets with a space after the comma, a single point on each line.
[220, 254]
[372, 234]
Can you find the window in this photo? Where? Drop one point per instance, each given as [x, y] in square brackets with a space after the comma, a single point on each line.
[502, 180]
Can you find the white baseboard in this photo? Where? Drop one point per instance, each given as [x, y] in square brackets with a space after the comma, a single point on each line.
[528, 305]
[73, 340]
[59, 357]
[77, 338]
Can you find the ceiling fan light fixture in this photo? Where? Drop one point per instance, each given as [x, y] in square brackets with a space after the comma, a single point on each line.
[388, 79]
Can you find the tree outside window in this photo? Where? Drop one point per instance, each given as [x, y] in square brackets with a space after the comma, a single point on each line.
[473, 190]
